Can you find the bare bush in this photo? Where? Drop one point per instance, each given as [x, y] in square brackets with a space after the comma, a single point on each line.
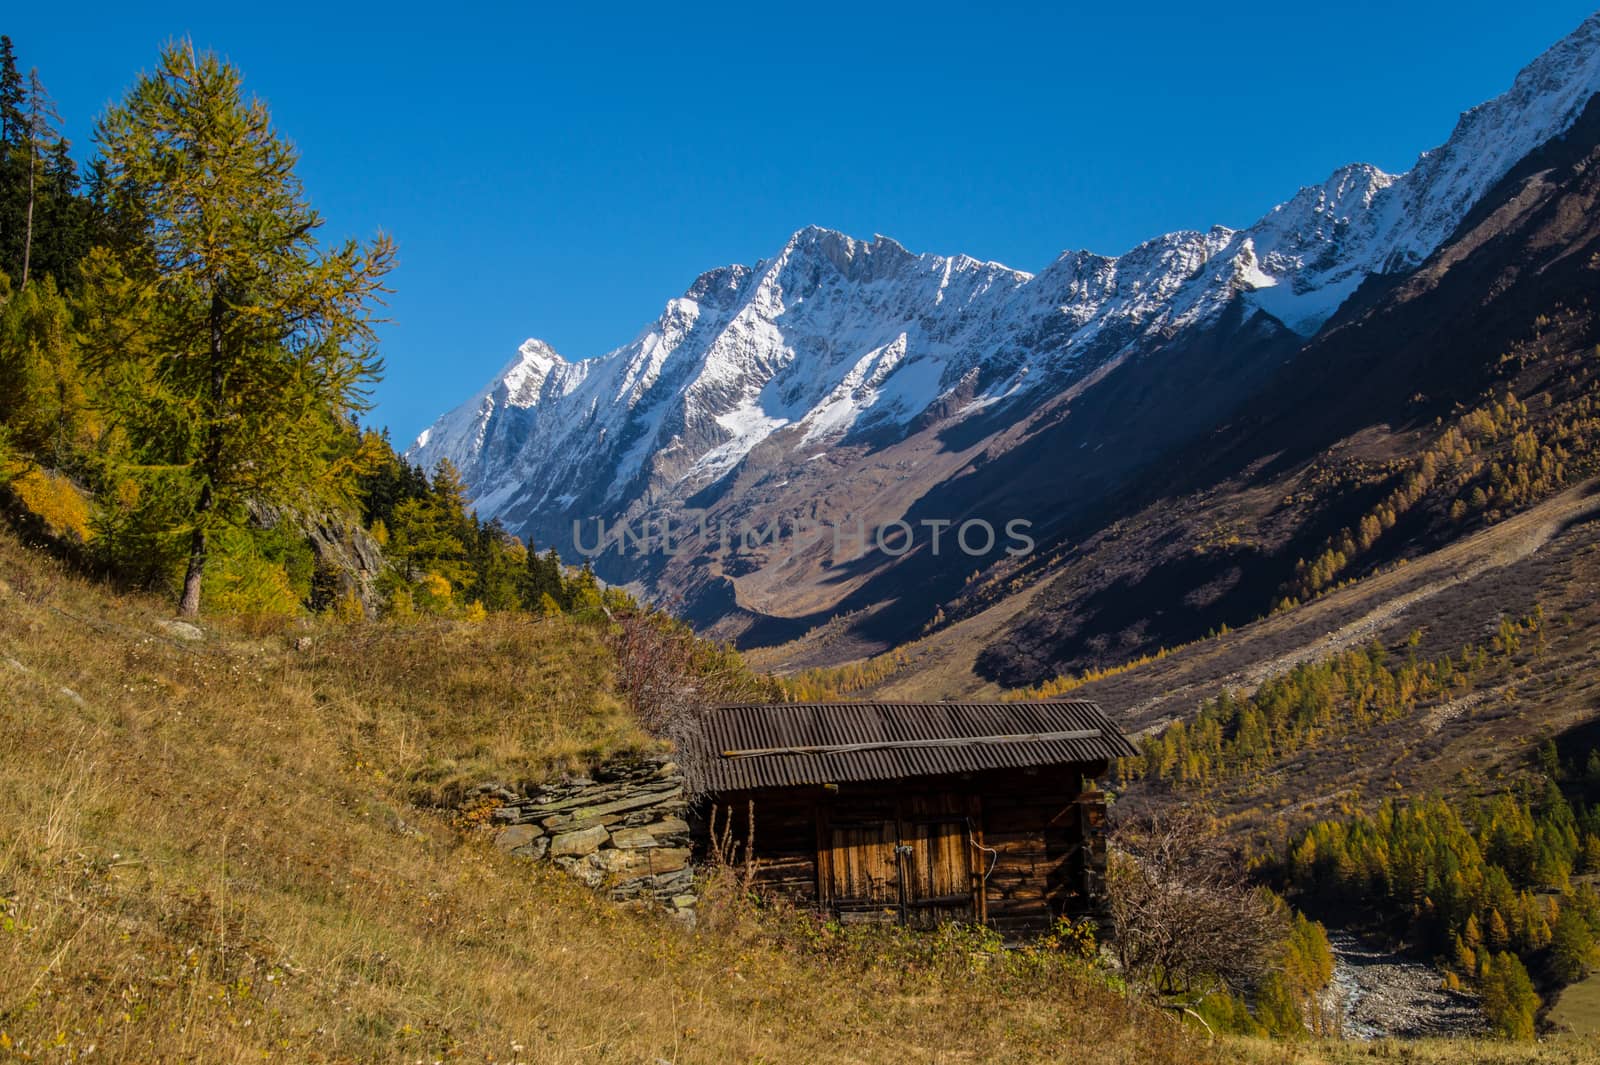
[655, 670]
[725, 849]
[668, 676]
[1183, 911]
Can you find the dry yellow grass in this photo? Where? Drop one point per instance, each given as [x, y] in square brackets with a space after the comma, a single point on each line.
[209, 853]
[1556, 1051]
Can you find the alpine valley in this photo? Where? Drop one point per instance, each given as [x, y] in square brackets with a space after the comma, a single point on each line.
[1186, 657]
[1205, 430]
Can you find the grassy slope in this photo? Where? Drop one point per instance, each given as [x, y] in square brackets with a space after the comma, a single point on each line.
[209, 853]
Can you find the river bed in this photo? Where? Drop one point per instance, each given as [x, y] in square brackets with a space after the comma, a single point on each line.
[1377, 994]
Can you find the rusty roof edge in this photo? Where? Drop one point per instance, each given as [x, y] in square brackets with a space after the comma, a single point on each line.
[864, 741]
[903, 745]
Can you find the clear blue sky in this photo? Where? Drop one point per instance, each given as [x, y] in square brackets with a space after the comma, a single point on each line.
[560, 174]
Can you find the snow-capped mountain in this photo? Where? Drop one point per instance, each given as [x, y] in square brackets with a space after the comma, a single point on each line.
[835, 340]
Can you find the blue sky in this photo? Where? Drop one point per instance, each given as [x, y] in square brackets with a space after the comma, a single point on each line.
[552, 173]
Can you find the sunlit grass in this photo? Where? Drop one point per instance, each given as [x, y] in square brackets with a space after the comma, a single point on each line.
[214, 852]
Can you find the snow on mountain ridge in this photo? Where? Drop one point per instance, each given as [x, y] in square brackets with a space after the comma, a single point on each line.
[835, 335]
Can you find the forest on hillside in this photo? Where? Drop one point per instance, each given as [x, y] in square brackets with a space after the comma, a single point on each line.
[184, 363]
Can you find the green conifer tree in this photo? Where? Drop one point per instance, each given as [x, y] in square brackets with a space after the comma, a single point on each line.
[1509, 1000]
[1572, 947]
[12, 172]
[543, 581]
[63, 237]
[12, 95]
[246, 344]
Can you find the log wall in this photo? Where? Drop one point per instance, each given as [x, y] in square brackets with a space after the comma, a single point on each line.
[1028, 845]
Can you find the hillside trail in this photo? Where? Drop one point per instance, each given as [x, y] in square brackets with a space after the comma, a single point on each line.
[1499, 546]
[1496, 547]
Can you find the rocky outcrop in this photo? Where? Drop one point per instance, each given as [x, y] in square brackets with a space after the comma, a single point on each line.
[623, 830]
[348, 559]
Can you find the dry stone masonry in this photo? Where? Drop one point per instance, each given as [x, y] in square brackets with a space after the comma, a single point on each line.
[624, 830]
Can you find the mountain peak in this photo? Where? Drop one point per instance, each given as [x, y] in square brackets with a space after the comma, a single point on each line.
[1544, 100]
[525, 375]
[534, 350]
[835, 336]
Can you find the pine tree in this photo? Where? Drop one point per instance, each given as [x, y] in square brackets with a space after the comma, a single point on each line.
[12, 125]
[497, 567]
[1509, 1000]
[425, 538]
[246, 344]
[543, 581]
[43, 403]
[583, 592]
[450, 497]
[64, 234]
[1572, 947]
[11, 94]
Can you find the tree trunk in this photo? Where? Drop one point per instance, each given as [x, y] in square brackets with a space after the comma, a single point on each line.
[27, 240]
[189, 605]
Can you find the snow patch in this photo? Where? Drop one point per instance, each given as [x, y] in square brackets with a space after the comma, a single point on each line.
[834, 333]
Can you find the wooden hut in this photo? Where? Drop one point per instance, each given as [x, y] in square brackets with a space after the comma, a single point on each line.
[916, 813]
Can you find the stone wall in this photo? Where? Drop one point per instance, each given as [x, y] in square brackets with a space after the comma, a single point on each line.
[623, 830]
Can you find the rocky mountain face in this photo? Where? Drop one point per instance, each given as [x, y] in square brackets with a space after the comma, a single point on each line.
[1354, 425]
[845, 385]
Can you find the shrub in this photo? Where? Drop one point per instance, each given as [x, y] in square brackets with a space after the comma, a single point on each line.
[433, 594]
[240, 579]
[138, 528]
[53, 506]
[348, 608]
[1185, 916]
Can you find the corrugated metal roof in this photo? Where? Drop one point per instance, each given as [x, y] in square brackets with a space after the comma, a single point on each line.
[999, 735]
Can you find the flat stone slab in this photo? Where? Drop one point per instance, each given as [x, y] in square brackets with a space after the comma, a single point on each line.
[577, 844]
[651, 862]
[668, 826]
[509, 839]
[632, 839]
[181, 630]
[588, 813]
[535, 850]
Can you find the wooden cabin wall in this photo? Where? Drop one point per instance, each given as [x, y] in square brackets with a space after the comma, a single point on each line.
[784, 839]
[1030, 865]
[1042, 866]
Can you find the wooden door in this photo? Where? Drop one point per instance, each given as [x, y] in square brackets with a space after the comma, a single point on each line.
[935, 853]
[863, 870]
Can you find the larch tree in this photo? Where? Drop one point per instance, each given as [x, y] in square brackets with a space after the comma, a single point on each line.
[237, 344]
[42, 122]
